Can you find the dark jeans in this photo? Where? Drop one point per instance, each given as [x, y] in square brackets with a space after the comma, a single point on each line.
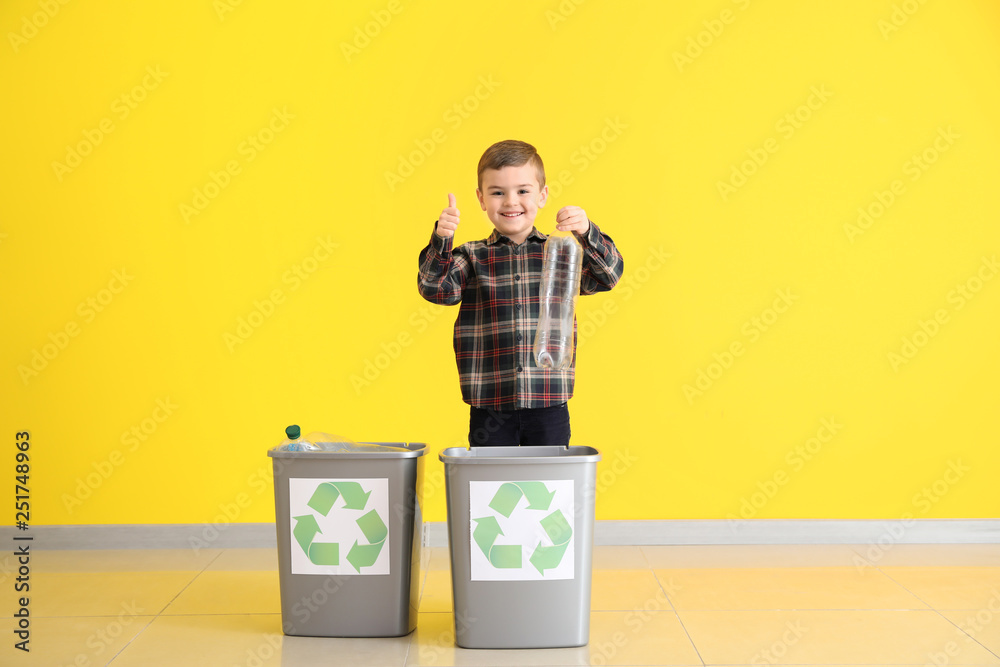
[534, 426]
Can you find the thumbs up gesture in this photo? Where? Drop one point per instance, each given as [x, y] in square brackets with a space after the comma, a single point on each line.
[448, 222]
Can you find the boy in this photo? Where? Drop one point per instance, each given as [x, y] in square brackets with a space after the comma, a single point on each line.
[513, 401]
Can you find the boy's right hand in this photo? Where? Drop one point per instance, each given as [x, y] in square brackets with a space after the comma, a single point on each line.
[448, 222]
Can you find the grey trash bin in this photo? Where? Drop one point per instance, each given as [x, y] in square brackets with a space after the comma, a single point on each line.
[520, 530]
[349, 534]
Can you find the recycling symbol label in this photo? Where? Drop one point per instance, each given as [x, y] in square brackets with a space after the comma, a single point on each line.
[521, 530]
[338, 526]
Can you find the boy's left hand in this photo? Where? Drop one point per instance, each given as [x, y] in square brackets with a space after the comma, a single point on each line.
[572, 219]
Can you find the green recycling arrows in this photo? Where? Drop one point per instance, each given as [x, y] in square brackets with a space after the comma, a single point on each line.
[327, 493]
[320, 553]
[365, 555]
[509, 494]
[500, 555]
[306, 527]
[508, 556]
[559, 531]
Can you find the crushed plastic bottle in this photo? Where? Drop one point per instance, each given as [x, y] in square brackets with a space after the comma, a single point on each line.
[562, 267]
[359, 447]
[318, 441]
[294, 443]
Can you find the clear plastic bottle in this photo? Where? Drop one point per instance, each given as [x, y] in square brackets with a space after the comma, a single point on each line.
[294, 443]
[560, 285]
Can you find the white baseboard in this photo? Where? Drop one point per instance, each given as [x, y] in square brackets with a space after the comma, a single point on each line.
[670, 532]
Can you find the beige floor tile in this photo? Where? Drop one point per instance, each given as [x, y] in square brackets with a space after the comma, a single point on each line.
[210, 641]
[438, 558]
[245, 559]
[950, 587]
[105, 593]
[755, 555]
[123, 560]
[425, 558]
[71, 641]
[433, 643]
[639, 637]
[850, 637]
[344, 652]
[981, 625]
[626, 590]
[619, 558]
[238, 592]
[436, 595]
[795, 606]
[929, 555]
[616, 638]
[785, 588]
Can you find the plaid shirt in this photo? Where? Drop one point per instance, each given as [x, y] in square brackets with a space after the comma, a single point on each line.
[497, 283]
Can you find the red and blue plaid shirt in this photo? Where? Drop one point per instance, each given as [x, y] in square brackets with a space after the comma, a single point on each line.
[497, 283]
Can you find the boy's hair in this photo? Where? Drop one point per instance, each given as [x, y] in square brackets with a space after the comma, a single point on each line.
[511, 153]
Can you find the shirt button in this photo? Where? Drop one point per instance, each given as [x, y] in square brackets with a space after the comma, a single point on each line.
[517, 277]
[519, 369]
[517, 306]
[519, 337]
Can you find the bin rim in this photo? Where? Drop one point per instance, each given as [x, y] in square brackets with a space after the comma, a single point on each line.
[415, 449]
[519, 455]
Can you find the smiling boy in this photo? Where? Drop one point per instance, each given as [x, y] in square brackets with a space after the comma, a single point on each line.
[512, 401]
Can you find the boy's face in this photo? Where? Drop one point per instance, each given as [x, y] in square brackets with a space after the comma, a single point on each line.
[511, 198]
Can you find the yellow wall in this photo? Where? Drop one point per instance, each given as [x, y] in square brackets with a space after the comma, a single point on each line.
[211, 213]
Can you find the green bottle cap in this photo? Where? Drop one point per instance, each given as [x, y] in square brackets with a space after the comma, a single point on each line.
[293, 432]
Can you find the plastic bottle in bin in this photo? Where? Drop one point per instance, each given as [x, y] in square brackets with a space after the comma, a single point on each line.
[294, 442]
[318, 441]
[559, 287]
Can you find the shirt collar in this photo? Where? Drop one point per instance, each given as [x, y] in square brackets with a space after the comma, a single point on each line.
[497, 237]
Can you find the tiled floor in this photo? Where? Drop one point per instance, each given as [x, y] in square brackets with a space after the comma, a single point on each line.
[719, 605]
